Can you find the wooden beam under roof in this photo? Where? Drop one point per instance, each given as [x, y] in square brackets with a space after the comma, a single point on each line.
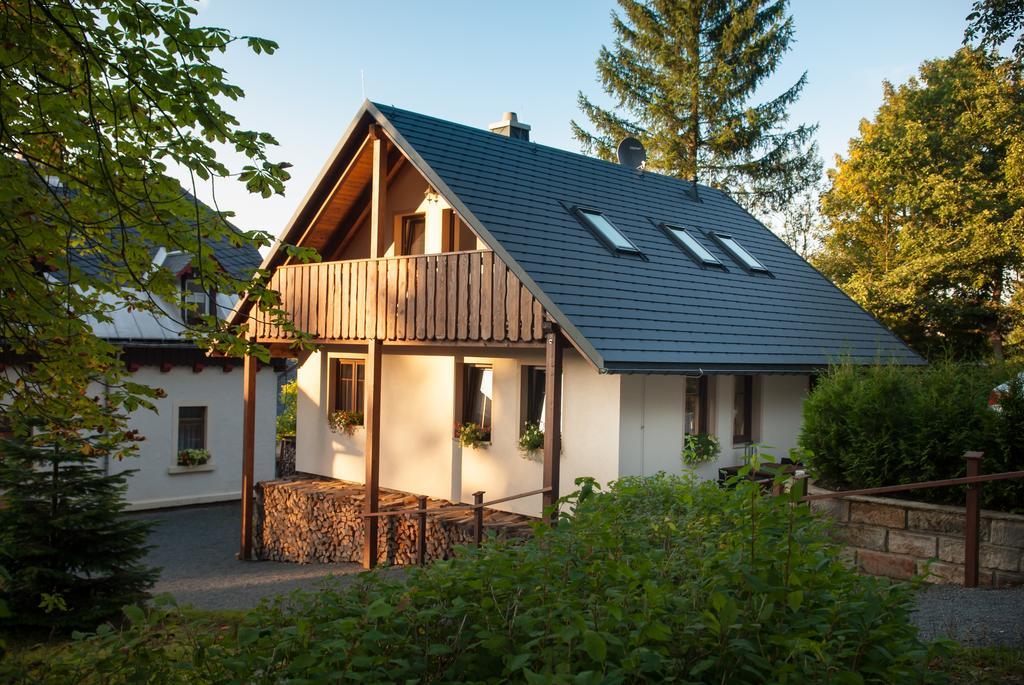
[347, 190]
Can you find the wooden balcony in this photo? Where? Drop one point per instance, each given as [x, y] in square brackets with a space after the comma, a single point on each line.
[455, 297]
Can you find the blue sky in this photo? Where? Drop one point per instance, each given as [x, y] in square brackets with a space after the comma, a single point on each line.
[471, 61]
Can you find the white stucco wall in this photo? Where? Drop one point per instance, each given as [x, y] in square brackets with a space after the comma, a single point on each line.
[154, 484]
[418, 452]
[651, 436]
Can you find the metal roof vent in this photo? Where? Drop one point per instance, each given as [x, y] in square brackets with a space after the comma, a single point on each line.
[511, 127]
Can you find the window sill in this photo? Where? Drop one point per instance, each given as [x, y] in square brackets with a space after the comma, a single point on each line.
[179, 470]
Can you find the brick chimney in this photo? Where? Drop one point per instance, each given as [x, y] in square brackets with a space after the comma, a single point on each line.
[511, 126]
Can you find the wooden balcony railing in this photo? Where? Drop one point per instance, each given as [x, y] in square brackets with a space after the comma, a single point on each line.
[452, 297]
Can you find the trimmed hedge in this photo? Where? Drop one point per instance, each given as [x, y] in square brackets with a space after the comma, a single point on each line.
[658, 580]
[888, 425]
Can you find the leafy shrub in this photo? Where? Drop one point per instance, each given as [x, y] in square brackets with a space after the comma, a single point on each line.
[471, 435]
[700, 449]
[887, 425]
[286, 418]
[193, 457]
[657, 580]
[531, 441]
[344, 421]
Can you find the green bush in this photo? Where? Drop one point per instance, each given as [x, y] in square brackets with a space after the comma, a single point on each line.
[888, 425]
[288, 401]
[657, 580]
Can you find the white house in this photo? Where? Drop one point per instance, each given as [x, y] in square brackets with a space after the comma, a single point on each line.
[202, 408]
[470, 275]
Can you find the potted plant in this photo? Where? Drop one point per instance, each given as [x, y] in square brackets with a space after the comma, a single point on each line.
[471, 435]
[699, 449]
[531, 441]
[193, 457]
[344, 421]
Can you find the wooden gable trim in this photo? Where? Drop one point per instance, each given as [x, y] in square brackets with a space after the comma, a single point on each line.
[350, 173]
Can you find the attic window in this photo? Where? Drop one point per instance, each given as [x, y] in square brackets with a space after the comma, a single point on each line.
[739, 253]
[606, 231]
[689, 243]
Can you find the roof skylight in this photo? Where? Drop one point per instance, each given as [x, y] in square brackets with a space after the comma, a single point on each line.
[689, 243]
[740, 254]
[606, 231]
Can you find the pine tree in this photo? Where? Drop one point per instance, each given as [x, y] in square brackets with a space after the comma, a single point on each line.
[72, 560]
[682, 73]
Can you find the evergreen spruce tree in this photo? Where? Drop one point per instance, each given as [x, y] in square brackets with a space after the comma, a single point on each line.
[682, 73]
[72, 560]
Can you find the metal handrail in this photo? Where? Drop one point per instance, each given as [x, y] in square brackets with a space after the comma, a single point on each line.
[923, 485]
[453, 507]
[422, 511]
[972, 506]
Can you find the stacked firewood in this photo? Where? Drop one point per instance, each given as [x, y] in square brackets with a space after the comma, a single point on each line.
[313, 520]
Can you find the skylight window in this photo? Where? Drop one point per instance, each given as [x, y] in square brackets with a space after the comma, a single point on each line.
[740, 254]
[689, 243]
[606, 231]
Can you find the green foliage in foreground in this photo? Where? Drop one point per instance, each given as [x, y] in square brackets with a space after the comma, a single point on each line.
[886, 425]
[657, 580]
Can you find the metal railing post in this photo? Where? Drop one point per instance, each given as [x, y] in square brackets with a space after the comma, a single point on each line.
[972, 521]
[421, 531]
[478, 517]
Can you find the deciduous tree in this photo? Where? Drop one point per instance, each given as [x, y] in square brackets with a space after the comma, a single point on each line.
[682, 75]
[926, 211]
[104, 105]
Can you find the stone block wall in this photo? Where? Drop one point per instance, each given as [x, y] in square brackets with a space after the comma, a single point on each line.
[901, 538]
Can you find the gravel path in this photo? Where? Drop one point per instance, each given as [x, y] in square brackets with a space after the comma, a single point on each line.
[196, 547]
[972, 616]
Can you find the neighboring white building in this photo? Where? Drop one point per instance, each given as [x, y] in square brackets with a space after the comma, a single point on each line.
[202, 409]
[469, 275]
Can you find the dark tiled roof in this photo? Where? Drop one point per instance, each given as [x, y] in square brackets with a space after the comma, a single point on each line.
[662, 313]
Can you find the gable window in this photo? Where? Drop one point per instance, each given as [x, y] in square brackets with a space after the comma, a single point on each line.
[478, 396]
[743, 410]
[196, 302]
[606, 231]
[695, 406]
[739, 253]
[191, 428]
[349, 385]
[413, 239]
[688, 241]
[534, 384]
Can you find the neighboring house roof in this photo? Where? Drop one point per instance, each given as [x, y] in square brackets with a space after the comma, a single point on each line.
[149, 328]
[659, 313]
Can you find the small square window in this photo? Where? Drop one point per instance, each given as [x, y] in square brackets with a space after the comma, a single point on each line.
[688, 241]
[743, 410]
[478, 396]
[606, 231]
[414, 235]
[695, 419]
[534, 387]
[739, 253]
[196, 302]
[191, 428]
[349, 385]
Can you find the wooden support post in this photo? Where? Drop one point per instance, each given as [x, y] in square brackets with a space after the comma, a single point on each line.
[478, 517]
[380, 228]
[552, 416]
[421, 531]
[371, 421]
[248, 452]
[972, 521]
